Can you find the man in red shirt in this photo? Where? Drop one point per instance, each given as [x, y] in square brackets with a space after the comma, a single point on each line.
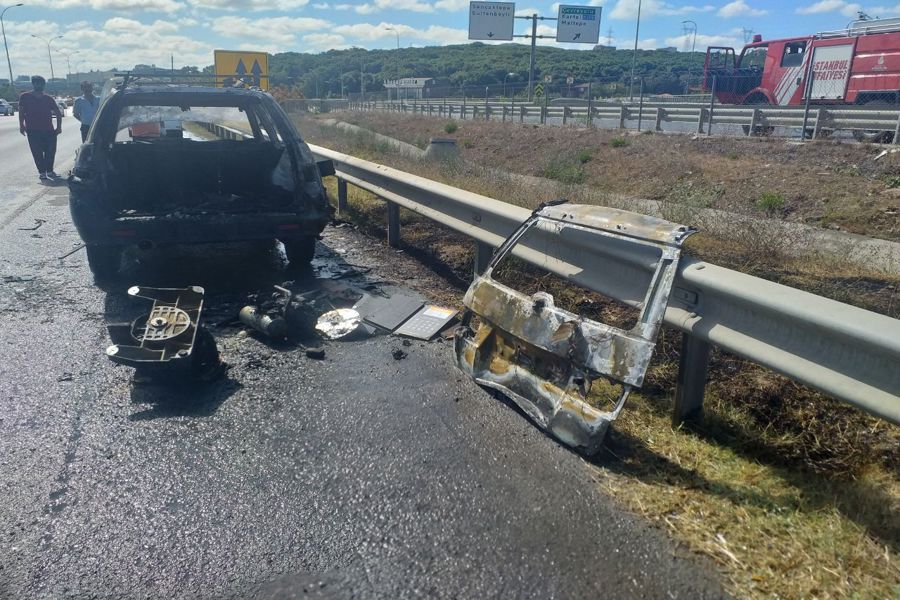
[36, 111]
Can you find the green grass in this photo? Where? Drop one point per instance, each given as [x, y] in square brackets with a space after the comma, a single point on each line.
[565, 169]
[619, 142]
[771, 203]
[451, 127]
[584, 156]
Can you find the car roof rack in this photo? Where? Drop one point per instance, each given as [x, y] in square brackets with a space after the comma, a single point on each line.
[131, 79]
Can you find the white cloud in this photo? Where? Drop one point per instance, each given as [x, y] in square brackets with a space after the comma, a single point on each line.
[627, 9]
[703, 41]
[321, 6]
[739, 8]
[847, 9]
[278, 30]
[452, 5]
[168, 6]
[245, 5]
[527, 12]
[433, 34]
[119, 42]
[323, 41]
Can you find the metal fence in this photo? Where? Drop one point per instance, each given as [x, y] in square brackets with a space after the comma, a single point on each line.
[872, 123]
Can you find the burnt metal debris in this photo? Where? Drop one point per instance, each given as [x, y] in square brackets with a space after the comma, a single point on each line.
[546, 359]
[169, 339]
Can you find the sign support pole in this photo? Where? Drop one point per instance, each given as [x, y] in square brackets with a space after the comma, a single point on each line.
[534, 38]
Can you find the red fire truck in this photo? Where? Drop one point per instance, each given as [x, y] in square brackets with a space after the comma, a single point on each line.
[856, 65]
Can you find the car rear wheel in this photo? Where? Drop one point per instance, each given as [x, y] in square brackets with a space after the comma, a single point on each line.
[104, 261]
[299, 251]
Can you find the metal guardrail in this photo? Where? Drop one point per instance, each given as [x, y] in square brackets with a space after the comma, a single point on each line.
[845, 352]
[755, 119]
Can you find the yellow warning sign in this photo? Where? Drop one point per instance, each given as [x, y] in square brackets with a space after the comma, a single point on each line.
[235, 65]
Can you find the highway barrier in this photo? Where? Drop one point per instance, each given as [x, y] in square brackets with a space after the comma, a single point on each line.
[845, 352]
[864, 122]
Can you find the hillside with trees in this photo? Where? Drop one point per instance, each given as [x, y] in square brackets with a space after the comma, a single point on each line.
[474, 66]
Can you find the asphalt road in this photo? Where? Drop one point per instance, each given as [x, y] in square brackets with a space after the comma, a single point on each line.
[356, 476]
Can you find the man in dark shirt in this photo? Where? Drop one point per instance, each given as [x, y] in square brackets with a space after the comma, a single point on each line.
[36, 111]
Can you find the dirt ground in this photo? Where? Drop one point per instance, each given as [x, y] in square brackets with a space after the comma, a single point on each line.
[828, 183]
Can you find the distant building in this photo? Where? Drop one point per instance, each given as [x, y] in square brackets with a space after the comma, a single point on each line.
[409, 87]
[668, 49]
[92, 77]
[604, 47]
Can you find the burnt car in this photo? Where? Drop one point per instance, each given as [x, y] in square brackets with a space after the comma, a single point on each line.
[184, 164]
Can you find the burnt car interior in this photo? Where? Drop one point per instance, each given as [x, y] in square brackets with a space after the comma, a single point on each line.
[164, 158]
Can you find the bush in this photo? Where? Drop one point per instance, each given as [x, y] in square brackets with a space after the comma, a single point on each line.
[893, 182]
[451, 127]
[618, 142]
[584, 156]
[771, 202]
[565, 169]
[467, 143]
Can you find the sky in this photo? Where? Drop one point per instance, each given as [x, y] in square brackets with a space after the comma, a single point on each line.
[104, 34]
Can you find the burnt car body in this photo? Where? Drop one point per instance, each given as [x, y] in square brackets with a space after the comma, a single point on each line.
[167, 164]
[555, 364]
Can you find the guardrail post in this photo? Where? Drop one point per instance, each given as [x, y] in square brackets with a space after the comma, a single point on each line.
[700, 120]
[565, 114]
[820, 114]
[660, 115]
[483, 254]
[342, 196]
[487, 112]
[753, 121]
[712, 105]
[393, 229]
[623, 114]
[504, 114]
[590, 114]
[522, 114]
[897, 131]
[691, 385]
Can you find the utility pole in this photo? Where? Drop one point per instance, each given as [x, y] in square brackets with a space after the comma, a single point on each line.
[637, 31]
[534, 38]
[397, 33]
[8, 62]
[49, 55]
[693, 49]
[609, 37]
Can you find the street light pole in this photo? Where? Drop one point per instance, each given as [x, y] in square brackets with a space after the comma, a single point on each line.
[693, 49]
[397, 33]
[637, 31]
[8, 62]
[49, 55]
[68, 63]
[504, 82]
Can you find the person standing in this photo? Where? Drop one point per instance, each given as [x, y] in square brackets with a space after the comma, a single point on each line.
[36, 112]
[85, 108]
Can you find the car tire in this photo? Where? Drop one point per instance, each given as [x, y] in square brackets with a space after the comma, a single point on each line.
[299, 251]
[103, 261]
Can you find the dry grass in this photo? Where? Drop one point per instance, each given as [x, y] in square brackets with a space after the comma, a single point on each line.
[793, 494]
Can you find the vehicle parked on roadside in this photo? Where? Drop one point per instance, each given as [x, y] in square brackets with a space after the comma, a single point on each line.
[6, 109]
[178, 164]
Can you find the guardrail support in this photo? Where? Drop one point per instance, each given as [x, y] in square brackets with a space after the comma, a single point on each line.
[393, 224]
[754, 119]
[820, 115]
[565, 114]
[700, 120]
[691, 385]
[522, 114]
[897, 131]
[483, 254]
[660, 115]
[623, 114]
[342, 196]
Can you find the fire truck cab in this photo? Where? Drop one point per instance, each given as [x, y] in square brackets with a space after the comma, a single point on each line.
[857, 65]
